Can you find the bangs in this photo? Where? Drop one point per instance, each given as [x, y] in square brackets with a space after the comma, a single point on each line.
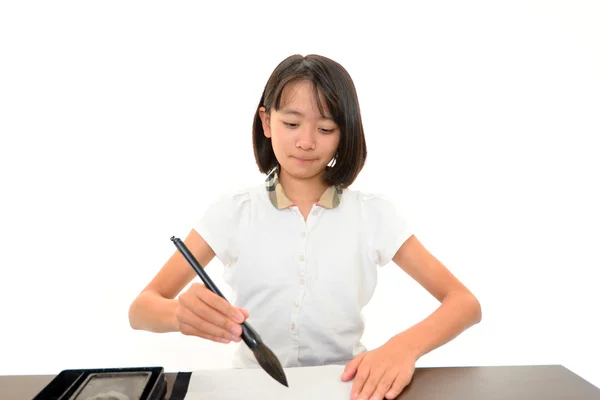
[328, 110]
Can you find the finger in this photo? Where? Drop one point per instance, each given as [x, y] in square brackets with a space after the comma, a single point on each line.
[191, 331]
[352, 367]
[189, 318]
[221, 305]
[361, 377]
[207, 313]
[383, 386]
[245, 312]
[201, 310]
[397, 388]
[370, 384]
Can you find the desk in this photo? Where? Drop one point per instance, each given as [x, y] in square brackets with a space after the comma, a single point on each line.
[547, 382]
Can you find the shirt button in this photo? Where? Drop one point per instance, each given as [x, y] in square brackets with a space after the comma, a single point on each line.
[293, 326]
[297, 304]
[315, 212]
[302, 282]
[301, 258]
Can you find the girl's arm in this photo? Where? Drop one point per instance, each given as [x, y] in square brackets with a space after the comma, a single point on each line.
[155, 307]
[387, 370]
[459, 308]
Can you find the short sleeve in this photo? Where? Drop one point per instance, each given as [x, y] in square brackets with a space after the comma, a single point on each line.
[388, 227]
[220, 225]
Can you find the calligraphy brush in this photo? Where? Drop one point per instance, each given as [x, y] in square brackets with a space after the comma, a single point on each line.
[265, 357]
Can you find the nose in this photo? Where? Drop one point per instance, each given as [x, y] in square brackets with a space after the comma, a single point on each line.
[306, 138]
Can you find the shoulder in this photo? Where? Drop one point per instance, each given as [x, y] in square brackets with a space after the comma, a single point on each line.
[376, 207]
[238, 198]
[368, 200]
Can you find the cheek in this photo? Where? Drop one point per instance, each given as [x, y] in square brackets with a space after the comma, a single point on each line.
[333, 144]
[278, 142]
[282, 138]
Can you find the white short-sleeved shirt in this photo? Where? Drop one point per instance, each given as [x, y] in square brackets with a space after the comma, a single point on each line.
[304, 283]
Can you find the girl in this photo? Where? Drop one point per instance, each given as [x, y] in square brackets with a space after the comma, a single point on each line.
[300, 252]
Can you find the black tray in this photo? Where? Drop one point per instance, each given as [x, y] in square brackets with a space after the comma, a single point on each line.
[140, 383]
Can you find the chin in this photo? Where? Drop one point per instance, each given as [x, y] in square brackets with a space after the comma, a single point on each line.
[303, 172]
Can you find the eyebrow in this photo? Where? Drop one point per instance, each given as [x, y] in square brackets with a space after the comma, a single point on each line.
[299, 114]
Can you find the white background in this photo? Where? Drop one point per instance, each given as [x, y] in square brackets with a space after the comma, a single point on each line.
[120, 121]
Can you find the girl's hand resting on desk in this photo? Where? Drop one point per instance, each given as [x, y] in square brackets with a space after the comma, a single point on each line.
[202, 313]
[381, 373]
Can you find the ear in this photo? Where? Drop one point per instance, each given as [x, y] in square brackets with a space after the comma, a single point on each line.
[266, 123]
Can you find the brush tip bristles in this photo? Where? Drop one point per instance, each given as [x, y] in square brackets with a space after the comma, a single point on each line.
[269, 362]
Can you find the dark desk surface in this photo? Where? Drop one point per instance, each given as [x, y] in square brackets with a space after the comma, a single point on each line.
[465, 383]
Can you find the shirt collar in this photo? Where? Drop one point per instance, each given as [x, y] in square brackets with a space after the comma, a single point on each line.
[329, 199]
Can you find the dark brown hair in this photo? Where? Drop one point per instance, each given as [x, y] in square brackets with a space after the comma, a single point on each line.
[334, 82]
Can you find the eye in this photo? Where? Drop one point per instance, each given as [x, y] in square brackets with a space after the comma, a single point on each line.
[290, 124]
[327, 130]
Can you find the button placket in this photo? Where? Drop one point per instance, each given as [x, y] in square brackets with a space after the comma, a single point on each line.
[302, 248]
[301, 260]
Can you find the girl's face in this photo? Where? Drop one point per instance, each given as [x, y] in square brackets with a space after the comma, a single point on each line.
[304, 141]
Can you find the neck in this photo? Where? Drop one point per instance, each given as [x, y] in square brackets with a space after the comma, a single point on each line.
[302, 191]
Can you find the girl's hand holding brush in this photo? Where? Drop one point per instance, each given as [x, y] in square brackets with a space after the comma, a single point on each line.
[202, 313]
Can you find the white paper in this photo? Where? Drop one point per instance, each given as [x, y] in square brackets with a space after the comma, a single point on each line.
[314, 383]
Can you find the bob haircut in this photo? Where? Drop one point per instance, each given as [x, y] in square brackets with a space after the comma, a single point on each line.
[335, 84]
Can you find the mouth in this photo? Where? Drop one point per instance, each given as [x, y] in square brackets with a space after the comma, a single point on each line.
[304, 160]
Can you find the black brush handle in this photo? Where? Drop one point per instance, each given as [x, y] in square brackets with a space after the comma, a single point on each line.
[249, 335]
